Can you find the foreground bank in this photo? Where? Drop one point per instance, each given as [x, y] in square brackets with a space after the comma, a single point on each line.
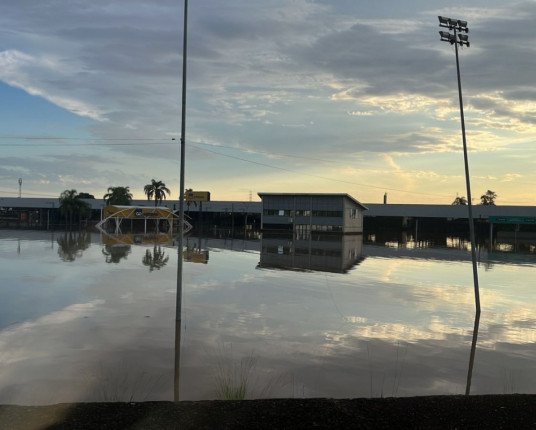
[491, 411]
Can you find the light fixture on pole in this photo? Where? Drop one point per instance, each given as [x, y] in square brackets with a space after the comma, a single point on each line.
[20, 188]
[458, 27]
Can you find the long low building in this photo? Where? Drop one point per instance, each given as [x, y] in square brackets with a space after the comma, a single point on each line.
[240, 207]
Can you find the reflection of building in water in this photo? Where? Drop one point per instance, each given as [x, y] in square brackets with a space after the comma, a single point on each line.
[326, 253]
[118, 247]
[136, 239]
[194, 252]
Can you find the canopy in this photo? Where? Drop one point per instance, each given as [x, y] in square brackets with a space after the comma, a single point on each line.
[137, 212]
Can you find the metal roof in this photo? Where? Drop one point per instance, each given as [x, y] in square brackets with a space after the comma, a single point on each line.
[348, 196]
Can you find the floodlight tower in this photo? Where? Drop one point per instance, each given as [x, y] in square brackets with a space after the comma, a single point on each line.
[458, 27]
[20, 188]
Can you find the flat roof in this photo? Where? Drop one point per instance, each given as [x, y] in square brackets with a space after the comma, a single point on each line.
[348, 196]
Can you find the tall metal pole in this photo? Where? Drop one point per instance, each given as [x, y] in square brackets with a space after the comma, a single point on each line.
[178, 305]
[467, 183]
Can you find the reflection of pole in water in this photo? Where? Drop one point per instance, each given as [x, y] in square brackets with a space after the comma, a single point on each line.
[473, 351]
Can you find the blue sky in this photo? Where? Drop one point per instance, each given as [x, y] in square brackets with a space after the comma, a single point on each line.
[295, 95]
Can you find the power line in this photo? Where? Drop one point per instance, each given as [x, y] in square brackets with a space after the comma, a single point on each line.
[320, 177]
[141, 142]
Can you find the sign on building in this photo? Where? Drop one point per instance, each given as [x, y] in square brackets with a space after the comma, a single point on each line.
[197, 196]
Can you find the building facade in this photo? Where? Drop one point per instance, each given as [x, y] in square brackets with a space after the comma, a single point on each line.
[311, 212]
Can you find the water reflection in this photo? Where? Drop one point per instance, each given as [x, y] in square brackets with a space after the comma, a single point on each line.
[325, 253]
[116, 253]
[71, 245]
[400, 325]
[194, 252]
[156, 259]
[473, 352]
[118, 246]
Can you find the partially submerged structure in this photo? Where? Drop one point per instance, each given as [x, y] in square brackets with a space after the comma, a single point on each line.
[311, 212]
[138, 218]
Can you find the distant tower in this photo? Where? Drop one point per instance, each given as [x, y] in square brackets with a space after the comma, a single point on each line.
[385, 199]
[250, 196]
[20, 188]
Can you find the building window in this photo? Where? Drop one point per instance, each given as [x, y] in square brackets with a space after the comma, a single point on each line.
[354, 213]
[331, 214]
[303, 212]
[277, 212]
[334, 228]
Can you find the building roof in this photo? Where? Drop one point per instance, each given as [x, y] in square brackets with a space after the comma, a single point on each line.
[348, 196]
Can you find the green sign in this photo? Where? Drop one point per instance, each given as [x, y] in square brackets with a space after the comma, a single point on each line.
[512, 219]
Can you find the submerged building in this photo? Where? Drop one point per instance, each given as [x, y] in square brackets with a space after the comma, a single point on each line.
[311, 212]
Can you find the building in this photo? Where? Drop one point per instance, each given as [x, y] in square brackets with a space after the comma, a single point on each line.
[311, 212]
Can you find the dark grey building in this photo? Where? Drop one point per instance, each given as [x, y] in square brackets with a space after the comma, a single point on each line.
[311, 212]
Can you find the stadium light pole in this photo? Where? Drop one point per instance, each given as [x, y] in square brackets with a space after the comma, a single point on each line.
[178, 305]
[457, 37]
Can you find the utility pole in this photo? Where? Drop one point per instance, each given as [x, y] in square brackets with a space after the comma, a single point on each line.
[178, 305]
[20, 188]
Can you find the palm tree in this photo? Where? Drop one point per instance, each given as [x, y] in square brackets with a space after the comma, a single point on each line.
[460, 201]
[71, 204]
[157, 189]
[488, 199]
[118, 196]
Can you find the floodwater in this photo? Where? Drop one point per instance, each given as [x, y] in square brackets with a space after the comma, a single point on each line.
[85, 317]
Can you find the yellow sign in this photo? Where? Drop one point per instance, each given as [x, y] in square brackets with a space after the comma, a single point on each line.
[197, 196]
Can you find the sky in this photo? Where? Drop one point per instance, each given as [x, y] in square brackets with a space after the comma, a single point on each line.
[335, 96]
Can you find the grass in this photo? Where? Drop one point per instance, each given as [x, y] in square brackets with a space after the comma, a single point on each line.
[241, 379]
[232, 379]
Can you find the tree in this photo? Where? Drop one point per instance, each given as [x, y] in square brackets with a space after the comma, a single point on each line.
[70, 204]
[85, 196]
[157, 189]
[488, 199]
[118, 196]
[460, 201]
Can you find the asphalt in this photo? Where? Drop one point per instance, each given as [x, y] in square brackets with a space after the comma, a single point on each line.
[435, 412]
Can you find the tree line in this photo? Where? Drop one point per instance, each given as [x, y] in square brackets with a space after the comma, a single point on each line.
[486, 199]
[72, 204]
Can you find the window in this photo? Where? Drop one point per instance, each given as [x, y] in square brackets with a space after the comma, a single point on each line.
[333, 214]
[354, 213]
[277, 212]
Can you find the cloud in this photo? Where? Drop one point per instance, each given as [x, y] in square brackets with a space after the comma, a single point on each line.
[326, 79]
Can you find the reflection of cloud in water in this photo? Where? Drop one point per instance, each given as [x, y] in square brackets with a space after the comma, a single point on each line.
[13, 347]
